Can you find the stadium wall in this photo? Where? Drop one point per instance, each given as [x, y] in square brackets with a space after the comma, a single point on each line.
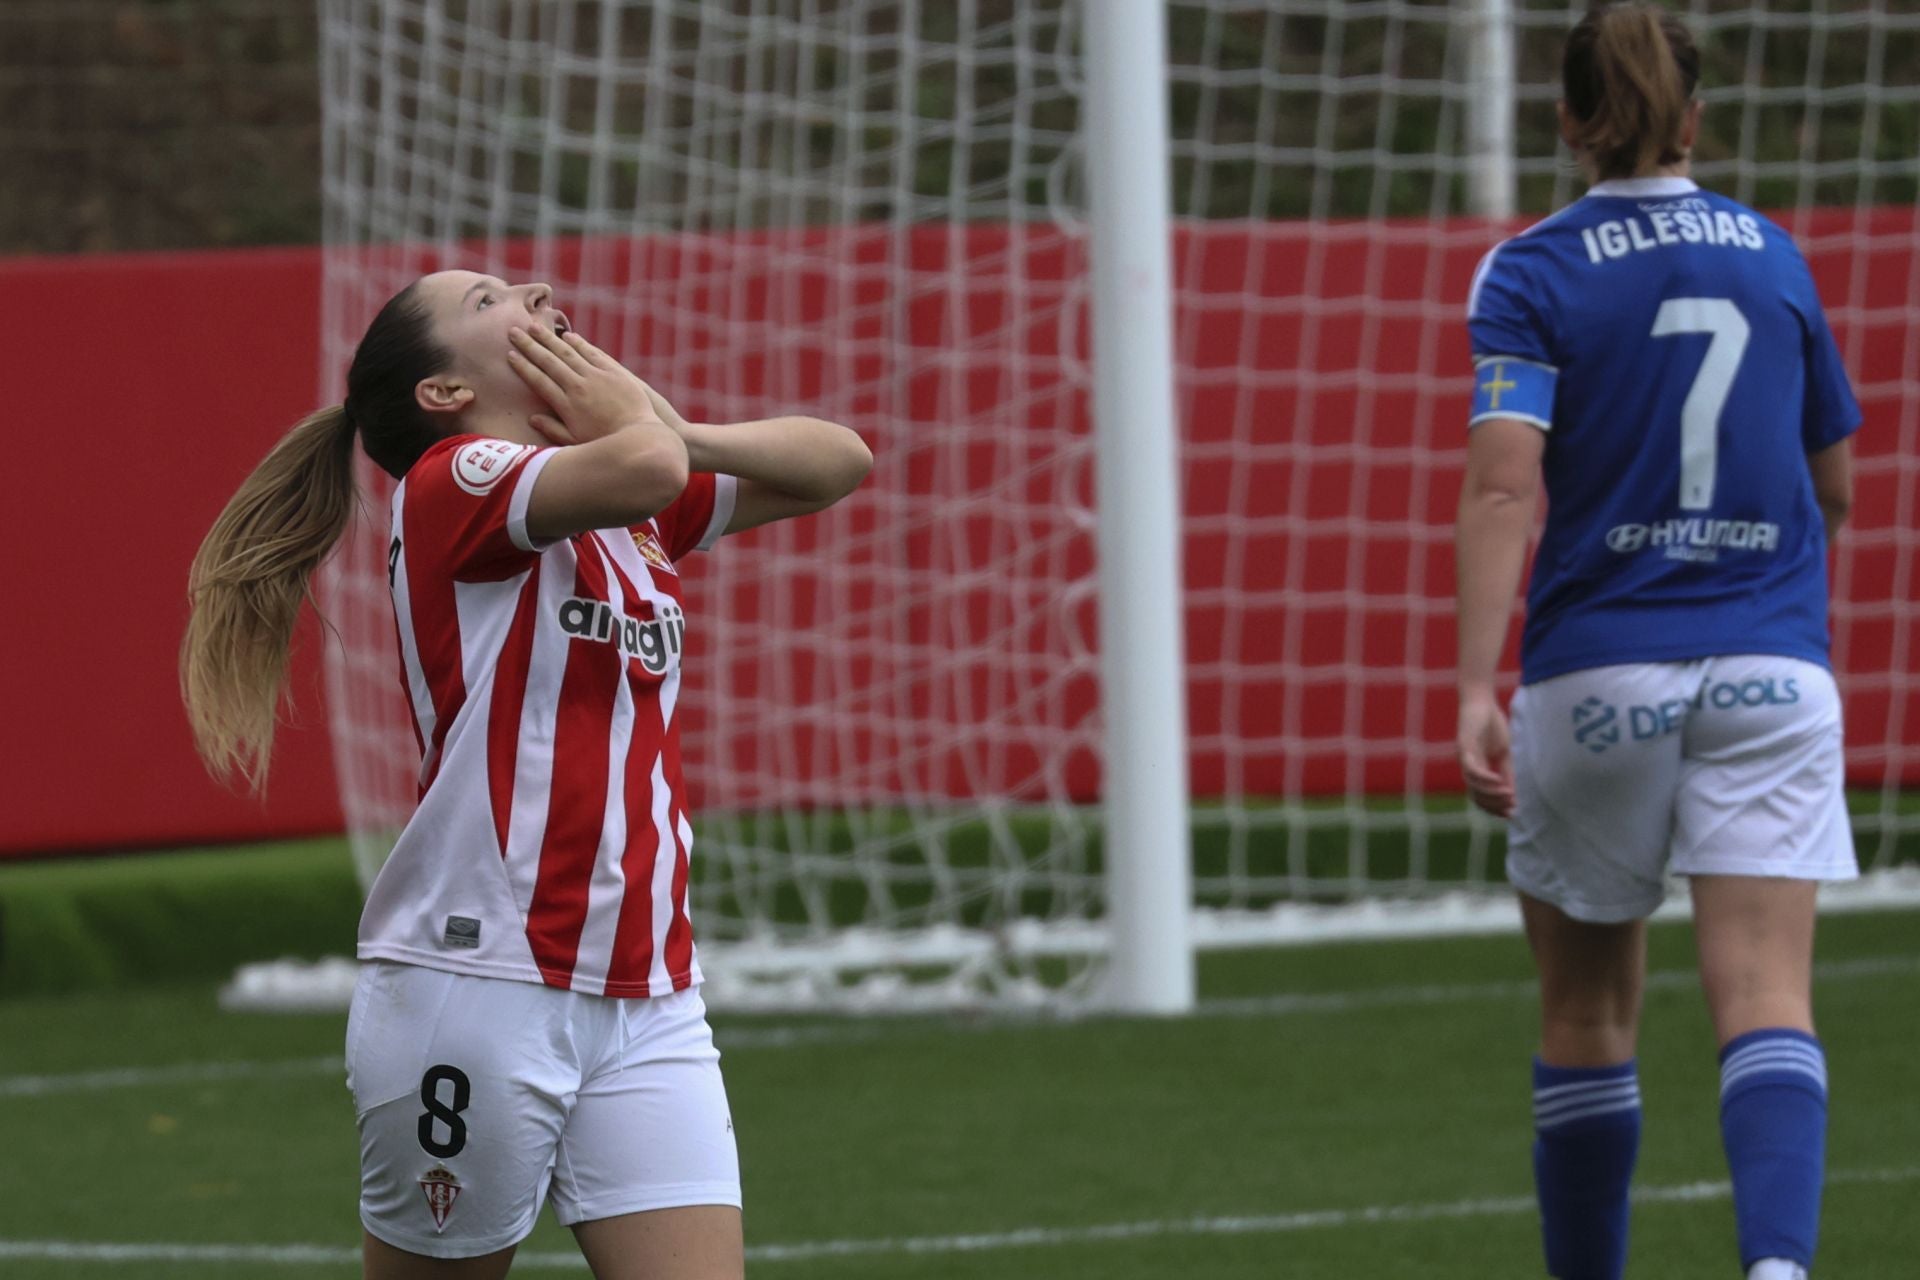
[141, 390]
[147, 385]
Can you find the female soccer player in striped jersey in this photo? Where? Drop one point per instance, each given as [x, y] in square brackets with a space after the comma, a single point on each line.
[1660, 353]
[528, 1020]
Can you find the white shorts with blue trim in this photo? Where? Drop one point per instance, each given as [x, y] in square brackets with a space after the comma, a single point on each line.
[1724, 766]
[478, 1098]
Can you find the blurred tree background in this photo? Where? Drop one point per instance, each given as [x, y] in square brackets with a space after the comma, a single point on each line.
[160, 124]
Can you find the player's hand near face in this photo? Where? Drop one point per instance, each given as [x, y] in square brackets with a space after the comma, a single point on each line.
[625, 464]
[1484, 756]
[592, 395]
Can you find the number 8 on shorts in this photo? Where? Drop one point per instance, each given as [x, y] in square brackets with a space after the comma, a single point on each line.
[445, 1114]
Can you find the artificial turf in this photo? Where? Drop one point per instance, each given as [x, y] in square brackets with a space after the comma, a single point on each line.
[1383, 1085]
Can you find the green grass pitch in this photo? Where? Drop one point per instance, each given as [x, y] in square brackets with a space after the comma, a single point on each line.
[1336, 1111]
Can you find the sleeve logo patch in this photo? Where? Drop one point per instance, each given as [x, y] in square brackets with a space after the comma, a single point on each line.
[480, 466]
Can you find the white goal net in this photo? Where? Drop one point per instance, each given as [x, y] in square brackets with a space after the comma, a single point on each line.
[873, 210]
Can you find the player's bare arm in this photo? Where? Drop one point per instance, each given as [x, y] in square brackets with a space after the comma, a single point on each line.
[1490, 551]
[787, 466]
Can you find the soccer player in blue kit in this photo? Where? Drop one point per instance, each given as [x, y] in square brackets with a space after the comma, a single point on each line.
[1660, 354]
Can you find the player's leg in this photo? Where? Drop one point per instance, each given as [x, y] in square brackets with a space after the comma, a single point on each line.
[696, 1242]
[647, 1173]
[460, 1088]
[381, 1261]
[1596, 763]
[1756, 959]
[1755, 936]
[1591, 978]
[1586, 1087]
[1762, 819]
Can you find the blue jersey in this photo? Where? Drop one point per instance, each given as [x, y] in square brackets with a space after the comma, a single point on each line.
[1670, 343]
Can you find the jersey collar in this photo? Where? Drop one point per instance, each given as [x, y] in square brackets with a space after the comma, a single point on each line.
[1636, 188]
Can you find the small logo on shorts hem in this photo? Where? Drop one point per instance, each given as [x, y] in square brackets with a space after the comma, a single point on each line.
[1596, 725]
[462, 931]
[441, 1189]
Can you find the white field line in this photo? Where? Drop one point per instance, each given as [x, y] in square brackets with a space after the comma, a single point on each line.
[851, 1031]
[980, 1242]
[182, 1073]
[1475, 992]
[1257, 1224]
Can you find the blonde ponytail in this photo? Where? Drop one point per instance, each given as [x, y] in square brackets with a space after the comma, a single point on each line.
[245, 589]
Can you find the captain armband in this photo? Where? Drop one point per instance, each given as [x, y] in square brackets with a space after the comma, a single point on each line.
[1509, 387]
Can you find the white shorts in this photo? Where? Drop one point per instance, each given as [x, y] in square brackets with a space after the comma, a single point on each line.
[477, 1098]
[1725, 766]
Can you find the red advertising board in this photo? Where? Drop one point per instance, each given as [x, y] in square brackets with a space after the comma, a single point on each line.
[142, 388]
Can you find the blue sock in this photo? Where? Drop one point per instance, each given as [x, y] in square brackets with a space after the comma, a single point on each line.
[1773, 1119]
[1586, 1123]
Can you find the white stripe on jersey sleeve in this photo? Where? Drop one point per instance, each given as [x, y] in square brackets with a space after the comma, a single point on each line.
[1486, 263]
[1480, 278]
[522, 496]
[1491, 414]
[726, 490]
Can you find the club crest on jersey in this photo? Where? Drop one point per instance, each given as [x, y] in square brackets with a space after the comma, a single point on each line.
[441, 1189]
[652, 552]
[654, 642]
[479, 466]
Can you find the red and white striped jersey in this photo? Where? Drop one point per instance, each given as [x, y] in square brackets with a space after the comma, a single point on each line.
[552, 837]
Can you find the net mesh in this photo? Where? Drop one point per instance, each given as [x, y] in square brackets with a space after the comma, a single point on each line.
[872, 211]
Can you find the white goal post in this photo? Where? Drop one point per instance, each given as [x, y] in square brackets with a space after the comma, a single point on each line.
[1142, 685]
[942, 223]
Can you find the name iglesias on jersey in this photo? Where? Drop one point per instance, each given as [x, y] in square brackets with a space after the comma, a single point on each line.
[1671, 222]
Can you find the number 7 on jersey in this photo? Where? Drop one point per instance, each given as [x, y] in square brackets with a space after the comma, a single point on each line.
[1700, 415]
